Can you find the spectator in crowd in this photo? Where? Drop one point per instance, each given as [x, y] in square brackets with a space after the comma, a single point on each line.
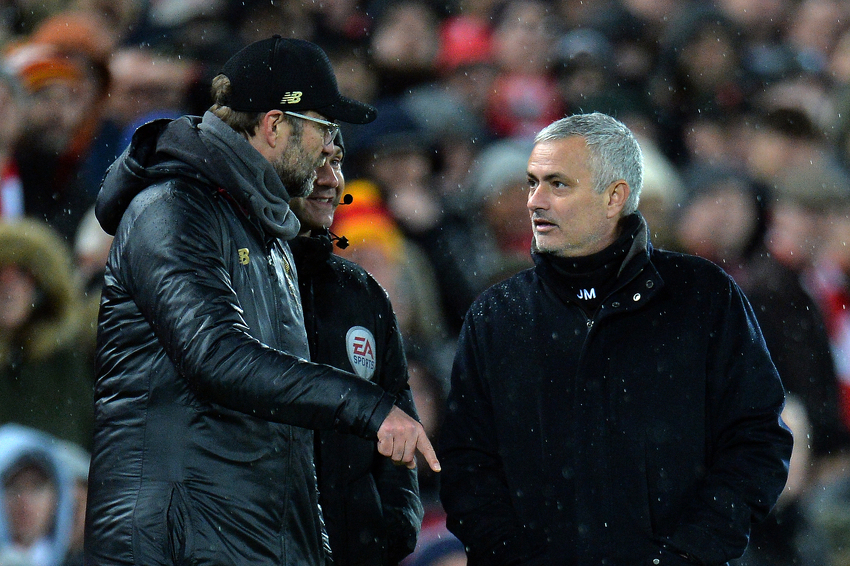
[64, 70]
[524, 95]
[371, 507]
[12, 109]
[429, 388]
[85, 38]
[778, 140]
[76, 459]
[699, 70]
[127, 19]
[435, 542]
[404, 46]
[499, 244]
[616, 403]
[146, 85]
[398, 158]
[37, 494]
[44, 378]
[661, 196]
[201, 330]
[810, 237]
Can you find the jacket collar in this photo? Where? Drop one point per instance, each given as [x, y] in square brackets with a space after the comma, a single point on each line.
[206, 150]
[637, 278]
[312, 252]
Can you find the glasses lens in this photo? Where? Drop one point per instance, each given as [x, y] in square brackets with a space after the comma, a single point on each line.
[328, 128]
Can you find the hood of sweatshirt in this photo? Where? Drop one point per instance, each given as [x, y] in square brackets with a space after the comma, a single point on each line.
[205, 150]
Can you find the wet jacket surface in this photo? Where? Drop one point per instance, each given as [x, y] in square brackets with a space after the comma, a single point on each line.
[371, 507]
[204, 395]
[644, 432]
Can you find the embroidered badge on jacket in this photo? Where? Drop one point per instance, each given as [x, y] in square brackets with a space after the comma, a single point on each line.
[360, 346]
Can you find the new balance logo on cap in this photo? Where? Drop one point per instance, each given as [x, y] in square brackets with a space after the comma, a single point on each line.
[291, 97]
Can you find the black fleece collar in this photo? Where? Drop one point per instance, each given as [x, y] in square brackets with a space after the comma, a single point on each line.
[587, 280]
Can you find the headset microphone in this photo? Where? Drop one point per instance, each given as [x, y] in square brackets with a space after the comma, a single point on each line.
[340, 241]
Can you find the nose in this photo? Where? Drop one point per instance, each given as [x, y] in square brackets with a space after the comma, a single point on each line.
[536, 199]
[325, 176]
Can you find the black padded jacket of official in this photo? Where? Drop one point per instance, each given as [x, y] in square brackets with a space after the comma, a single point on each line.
[204, 399]
[645, 431]
[371, 507]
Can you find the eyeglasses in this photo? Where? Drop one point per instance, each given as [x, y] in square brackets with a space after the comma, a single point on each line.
[330, 128]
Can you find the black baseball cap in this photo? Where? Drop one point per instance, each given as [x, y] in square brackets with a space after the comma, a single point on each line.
[289, 74]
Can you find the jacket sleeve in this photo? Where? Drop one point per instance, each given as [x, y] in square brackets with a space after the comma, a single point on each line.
[473, 486]
[172, 264]
[749, 445]
[398, 486]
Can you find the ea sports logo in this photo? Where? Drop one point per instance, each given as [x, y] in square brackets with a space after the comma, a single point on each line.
[360, 345]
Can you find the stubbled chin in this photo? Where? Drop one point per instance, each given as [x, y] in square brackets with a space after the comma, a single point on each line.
[543, 244]
[323, 212]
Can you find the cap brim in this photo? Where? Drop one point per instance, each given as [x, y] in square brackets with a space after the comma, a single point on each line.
[349, 110]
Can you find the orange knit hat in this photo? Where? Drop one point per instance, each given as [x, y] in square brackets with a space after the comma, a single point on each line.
[38, 66]
[366, 221]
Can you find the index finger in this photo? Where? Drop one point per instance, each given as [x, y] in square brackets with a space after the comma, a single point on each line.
[424, 446]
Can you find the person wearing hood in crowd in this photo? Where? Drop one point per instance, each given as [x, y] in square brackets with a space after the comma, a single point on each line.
[371, 508]
[205, 398]
[616, 403]
[45, 382]
[37, 495]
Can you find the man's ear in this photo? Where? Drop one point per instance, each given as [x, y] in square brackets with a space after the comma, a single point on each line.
[618, 194]
[272, 128]
[270, 132]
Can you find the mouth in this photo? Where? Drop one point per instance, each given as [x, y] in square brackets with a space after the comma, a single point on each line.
[321, 199]
[543, 225]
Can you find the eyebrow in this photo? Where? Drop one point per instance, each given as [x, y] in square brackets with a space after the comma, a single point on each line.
[553, 176]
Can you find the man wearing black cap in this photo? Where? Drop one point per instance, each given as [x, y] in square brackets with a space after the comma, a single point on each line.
[371, 508]
[204, 397]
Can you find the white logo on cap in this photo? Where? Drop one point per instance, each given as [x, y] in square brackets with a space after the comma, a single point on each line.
[293, 97]
[360, 346]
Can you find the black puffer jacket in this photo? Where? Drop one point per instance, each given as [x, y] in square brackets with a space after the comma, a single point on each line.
[202, 381]
[650, 429]
[371, 507]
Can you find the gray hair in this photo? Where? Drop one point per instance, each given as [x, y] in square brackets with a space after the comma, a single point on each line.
[614, 152]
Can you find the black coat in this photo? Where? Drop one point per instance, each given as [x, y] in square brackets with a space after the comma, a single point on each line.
[648, 431]
[371, 507]
[204, 395]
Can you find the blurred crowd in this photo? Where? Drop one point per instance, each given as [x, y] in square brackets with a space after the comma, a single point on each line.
[742, 108]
